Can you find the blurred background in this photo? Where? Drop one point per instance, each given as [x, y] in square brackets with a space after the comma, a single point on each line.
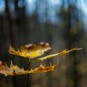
[61, 23]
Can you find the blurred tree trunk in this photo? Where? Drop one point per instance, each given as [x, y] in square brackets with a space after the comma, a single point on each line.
[21, 24]
[72, 36]
[70, 43]
[8, 17]
[1, 35]
[10, 29]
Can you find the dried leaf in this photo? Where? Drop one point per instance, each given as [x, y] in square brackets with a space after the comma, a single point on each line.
[43, 69]
[31, 50]
[12, 70]
[15, 70]
[57, 54]
[4, 69]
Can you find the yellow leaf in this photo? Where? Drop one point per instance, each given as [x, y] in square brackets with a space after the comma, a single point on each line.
[42, 68]
[12, 70]
[15, 70]
[31, 50]
[57, 54]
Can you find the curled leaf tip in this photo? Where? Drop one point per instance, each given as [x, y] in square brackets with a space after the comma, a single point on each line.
[79, 48]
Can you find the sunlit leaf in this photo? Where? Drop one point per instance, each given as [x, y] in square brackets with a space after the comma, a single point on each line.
[42, 68]
[4, 69]
[15, 70]
[57, 54]
[33, 51]
[12, 70]
[30, 50]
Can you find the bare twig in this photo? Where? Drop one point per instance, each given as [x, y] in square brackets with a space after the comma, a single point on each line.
[28, 76]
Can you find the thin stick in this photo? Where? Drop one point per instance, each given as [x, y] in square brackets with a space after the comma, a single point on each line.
[28, 77]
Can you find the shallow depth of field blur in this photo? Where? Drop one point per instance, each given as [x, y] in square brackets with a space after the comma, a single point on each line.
[61, 23]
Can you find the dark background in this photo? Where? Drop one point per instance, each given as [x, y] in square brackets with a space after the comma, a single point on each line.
[61, 23]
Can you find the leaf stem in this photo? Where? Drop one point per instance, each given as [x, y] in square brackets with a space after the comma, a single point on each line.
[28, 76]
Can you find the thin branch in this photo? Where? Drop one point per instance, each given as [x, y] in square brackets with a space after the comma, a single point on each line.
[28, 76]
